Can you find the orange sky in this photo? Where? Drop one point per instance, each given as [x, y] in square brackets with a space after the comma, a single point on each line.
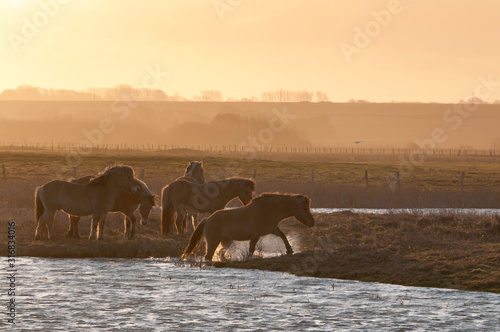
[423, 51]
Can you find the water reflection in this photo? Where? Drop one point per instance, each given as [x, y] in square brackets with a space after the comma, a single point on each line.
[151, 294]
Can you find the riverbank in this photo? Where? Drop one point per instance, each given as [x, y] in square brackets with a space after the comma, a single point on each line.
[452, 251]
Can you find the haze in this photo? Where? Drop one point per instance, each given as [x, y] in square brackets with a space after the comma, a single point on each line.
[429, 50]
[380, 51]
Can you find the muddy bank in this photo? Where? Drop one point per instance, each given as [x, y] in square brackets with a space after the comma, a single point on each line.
[459, 252]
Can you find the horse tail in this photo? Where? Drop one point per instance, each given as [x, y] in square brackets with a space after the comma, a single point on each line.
[38, 204]
[166, 211]
[195, 238]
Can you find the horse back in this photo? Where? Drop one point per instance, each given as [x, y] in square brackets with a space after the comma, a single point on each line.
[73, 198]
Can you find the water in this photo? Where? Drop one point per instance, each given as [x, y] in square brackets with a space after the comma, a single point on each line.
[157, 294]
[426, 211]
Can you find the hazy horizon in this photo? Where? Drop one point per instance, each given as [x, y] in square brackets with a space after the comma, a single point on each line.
[381, 51]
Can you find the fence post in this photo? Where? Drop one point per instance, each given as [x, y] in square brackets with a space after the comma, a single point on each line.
[4, 173]
[366, 178]
[141, 176]
[254, 174]
[462, 183]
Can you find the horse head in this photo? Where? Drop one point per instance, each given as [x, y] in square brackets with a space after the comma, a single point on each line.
[303, 210]
[245, 190]
[147, 203]
[196, 171]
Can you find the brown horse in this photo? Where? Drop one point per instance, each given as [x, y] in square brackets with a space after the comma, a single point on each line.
[259, 218]
[194, 173]
[182, 195]
[126, 203]
[96, 198]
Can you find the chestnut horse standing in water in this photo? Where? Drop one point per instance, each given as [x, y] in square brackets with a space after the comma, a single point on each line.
[95, 198]
[126, 203]
[259, 218]
[181, 196]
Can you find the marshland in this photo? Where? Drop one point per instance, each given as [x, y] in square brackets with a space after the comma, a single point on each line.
[452, 250]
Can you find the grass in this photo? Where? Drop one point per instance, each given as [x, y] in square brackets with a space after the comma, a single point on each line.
[452, 251]
[435, 183]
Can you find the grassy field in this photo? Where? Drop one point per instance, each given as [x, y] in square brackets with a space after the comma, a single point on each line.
[448, 251]
[335, 183]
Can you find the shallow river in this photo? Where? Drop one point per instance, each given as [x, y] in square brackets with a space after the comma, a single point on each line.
[157, 294]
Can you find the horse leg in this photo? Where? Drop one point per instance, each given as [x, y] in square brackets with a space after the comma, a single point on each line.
[180, 221]
[100, 232]
[282, 235]
[93, 227]
[190, 222]
[42, 222]
[225, 244]
[49, 223]
[73, 227]
[130, 221]
[253, 243]
[212, 245]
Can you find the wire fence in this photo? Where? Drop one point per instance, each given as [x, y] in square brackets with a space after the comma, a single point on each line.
[61, 147]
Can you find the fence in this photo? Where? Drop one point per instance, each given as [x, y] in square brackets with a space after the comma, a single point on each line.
[234, 149]
[394, 182]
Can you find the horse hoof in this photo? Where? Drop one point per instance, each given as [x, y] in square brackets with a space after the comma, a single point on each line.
[289, 252]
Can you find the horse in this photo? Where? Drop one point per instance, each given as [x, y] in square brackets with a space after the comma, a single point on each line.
[96, 198]
[126, 203]
[259, 218]
[194, 173]
[181, 196]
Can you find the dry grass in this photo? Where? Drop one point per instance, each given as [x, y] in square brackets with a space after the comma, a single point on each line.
[435, 183]
[459, 252]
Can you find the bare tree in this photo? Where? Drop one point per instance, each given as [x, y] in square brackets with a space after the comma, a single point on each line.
[321, 96]
[211, 95]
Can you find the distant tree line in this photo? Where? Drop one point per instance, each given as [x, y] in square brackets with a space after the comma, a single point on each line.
[28, 92]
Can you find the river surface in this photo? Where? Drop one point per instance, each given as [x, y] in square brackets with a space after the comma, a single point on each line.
[162, 294]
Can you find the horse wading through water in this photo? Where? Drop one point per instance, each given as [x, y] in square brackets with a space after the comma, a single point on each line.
[95, 198]
[259, 218]
[125, 203]
[182, 195]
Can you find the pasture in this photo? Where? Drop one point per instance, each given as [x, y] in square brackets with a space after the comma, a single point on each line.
[454, 251]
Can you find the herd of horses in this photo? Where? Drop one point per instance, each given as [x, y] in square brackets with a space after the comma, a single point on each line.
[116, 189]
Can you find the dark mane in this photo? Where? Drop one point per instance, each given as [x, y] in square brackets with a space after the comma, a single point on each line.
[101, 177]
